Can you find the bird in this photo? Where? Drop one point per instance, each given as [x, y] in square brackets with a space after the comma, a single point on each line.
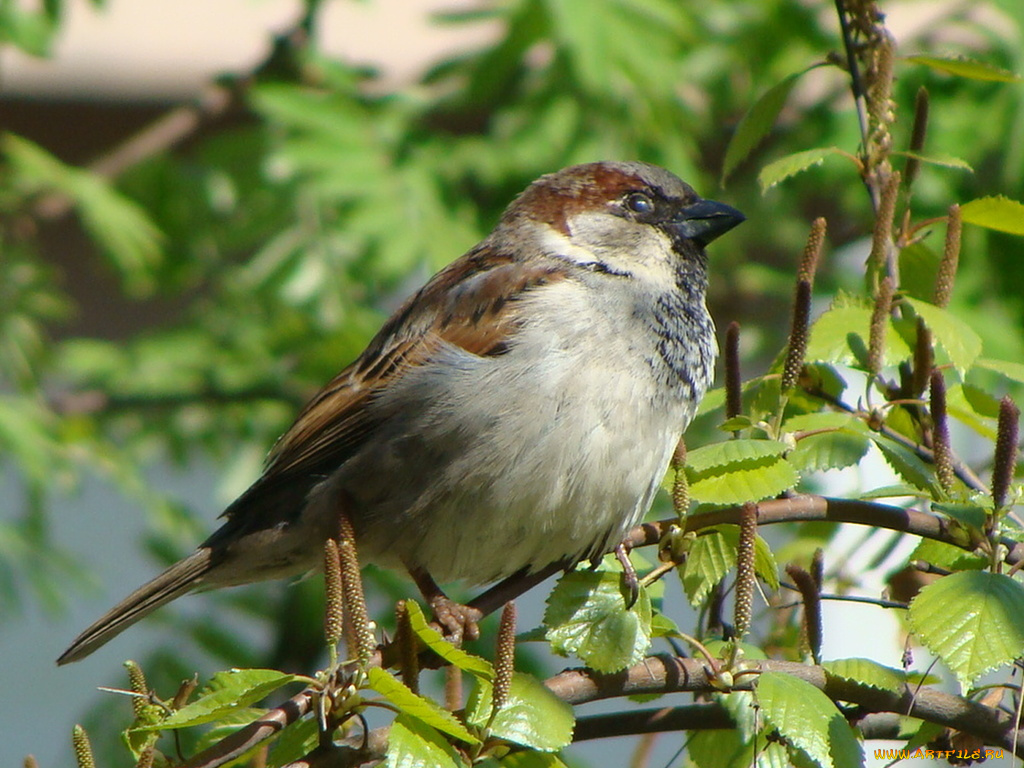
[518, 411]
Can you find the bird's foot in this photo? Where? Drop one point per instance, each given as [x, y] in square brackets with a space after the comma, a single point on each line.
[629, 577]
[457, 621]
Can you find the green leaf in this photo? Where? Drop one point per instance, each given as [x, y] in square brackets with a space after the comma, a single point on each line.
[1010, 370]
[944, 555]
[741, 706]
[663, 626]
[433, 639]
[719, 749]
[723, 649]
[892, 491]
[919, 266]
[790, 165]
[808, 720]
[531, 716]
[809, 422]
[729, 452]
[711, 557]
[973, 515]
[964, 67]
[907, 464]
[919, 733]
[829, 450]
[586, 615]
[218, 730]
[821, 377]
[123, 229]
[416, 706]
[119, 225]
[973, 407]
[28, 434]
[750, 480]
[414, 744]
[737, 747]
[30, 30]
[764, 563]
[756, 123]
[841, 333]
[999, 213]
[226, 693]
[921, 678]
[736, 423]
[946, 161]
[713, 554]
[959, 340]
[868, 673]
[596, 40]
[296, 740]
[972, 620]
[524, 759]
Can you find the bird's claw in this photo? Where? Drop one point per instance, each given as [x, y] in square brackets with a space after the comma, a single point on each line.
[629, 577]
[457, 621]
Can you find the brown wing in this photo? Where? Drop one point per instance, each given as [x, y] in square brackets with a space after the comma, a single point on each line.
[472, 304]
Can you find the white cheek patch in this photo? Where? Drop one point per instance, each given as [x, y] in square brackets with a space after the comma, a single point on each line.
[556, 243]
[639, 249]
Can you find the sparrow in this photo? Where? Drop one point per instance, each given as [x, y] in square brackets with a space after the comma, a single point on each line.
[518, 411]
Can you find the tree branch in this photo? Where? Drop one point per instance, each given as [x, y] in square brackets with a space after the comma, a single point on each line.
[667, 674]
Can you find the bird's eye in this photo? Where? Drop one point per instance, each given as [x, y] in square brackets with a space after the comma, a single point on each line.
[638, 202]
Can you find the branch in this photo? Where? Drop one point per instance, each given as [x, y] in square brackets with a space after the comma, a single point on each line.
[667, 674]
[695, 717]
[256, 732]
[810, 508]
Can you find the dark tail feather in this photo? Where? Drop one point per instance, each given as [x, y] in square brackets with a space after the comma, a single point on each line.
[180, 578]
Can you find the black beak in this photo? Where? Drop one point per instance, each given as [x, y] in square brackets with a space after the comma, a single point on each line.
[704, 220]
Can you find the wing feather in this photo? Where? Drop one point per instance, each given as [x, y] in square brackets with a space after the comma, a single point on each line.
[473, 304]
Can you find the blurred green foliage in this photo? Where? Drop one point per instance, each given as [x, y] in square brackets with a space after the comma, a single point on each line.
[285, 234]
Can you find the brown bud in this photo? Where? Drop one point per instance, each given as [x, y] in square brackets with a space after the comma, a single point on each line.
[917, 134]
[798, 336]
[880, 87]
[950, 258]
[881, 236]
[504, 662]
[680, 486]
[924, 359]
[818, 568]
[359, 634]
[879, 325]
[679, 455]
[812, 251]
[812, 608]
[1006, 451]
[334, 609]
[184, 692]
[941, 447]
[745, 571]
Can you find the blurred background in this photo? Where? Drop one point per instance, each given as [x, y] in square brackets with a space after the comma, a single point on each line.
[206, 209]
